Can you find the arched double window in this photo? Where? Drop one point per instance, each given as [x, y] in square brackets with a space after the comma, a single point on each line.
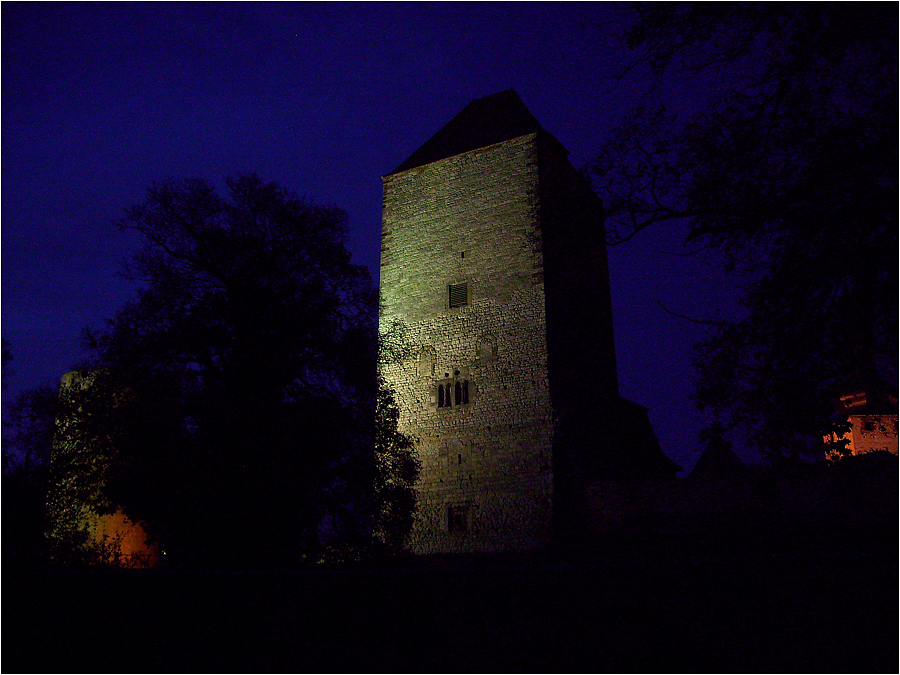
[453, 394]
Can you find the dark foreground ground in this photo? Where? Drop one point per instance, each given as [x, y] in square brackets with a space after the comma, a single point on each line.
[787, 606]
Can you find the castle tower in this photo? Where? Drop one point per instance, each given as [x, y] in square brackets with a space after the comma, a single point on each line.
[494, 270]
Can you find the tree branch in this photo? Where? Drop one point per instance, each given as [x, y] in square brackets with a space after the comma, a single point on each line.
[701, 322]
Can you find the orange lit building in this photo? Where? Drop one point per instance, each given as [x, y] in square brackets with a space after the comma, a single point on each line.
[873, 424]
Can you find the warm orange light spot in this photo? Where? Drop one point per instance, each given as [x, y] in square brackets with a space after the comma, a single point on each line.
[135, 550]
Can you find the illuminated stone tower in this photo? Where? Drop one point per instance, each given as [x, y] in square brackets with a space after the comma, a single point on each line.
[494, 263]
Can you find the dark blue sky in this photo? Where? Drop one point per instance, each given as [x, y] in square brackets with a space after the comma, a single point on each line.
[99, 100]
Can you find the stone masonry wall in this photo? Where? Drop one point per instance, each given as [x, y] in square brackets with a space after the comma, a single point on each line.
[487, 477]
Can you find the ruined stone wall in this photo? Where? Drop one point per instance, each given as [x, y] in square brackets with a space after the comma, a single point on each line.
[873, 433]
[474, 387]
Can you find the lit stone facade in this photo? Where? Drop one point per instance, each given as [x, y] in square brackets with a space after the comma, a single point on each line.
[494, 263]
[873, 433]
[873, 423]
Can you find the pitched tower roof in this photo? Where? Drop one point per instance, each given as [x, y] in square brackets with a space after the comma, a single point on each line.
[485, 121]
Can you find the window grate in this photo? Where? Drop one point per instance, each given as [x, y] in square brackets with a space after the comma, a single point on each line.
[459, 295]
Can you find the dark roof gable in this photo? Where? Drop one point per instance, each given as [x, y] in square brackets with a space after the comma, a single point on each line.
[717, 462]
[485, 121]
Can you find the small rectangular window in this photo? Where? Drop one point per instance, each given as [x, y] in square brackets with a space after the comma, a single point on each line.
[457, 518]
[459, 295]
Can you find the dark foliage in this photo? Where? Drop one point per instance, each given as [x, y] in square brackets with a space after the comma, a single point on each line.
[790, 168]
[26, 462]
[396, 471]
[229, 405]
[32, 421]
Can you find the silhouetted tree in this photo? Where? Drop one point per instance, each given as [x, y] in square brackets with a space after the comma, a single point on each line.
[241, 380]
[32, 422]
[26, 461]
[396, 471]
[790, 168]
[371, 497]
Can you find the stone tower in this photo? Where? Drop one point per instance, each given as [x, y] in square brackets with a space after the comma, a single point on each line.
[494, 271]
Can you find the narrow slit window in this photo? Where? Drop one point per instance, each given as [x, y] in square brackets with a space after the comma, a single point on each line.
[458, 391]
[440, 396]
[459, 295]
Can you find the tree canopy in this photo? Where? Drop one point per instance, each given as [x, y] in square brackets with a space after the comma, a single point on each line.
[26, 463]
[790, 168]
[231, 406]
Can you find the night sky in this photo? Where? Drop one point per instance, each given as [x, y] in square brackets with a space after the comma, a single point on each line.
[101, 100]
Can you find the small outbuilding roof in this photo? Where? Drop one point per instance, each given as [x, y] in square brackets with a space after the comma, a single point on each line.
[718, 461]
